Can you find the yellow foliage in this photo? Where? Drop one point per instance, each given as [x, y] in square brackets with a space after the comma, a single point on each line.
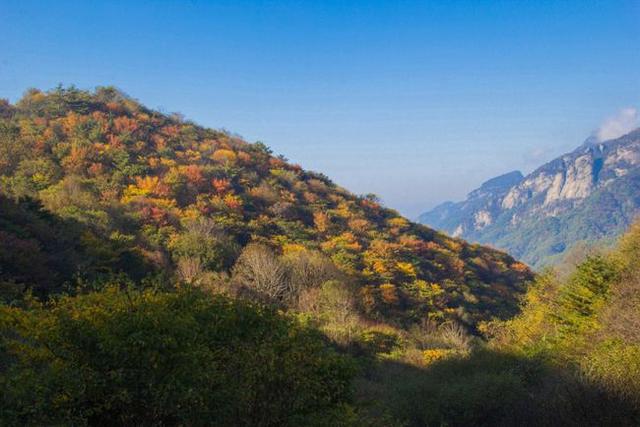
[164, 203]
[427, 290]
[153, 161]
[289, 248]
[379, 267]
[453, 245]
[345, 240]
[435, 354]
[406, 268]
[398, 222]
[343, 210]
[145, 186]
[224, 155]
[232, 201]
[191, 212]
[193, 155]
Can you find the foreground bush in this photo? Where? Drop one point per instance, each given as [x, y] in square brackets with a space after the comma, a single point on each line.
[122, 357]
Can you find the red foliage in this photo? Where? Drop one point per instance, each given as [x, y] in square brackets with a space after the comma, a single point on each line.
[96, 169]
[371, 205]
[193, 173]
[114, 140]
[154, 214]
[114, 107]
[276, 163]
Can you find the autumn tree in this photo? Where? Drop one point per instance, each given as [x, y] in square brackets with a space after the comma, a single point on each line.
[261, 272]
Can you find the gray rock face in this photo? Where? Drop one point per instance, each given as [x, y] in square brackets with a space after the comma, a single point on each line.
[543, 214]
[477, 211]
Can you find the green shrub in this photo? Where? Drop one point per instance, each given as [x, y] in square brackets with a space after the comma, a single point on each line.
[124, 357]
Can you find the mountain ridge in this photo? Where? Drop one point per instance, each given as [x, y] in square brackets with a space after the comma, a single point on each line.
[551, 199]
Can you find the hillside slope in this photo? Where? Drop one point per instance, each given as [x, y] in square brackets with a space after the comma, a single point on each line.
[590, 194]
[129, 187]
[571, 357]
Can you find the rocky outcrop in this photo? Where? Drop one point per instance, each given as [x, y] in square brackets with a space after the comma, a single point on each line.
[478, 211]
[512, 205]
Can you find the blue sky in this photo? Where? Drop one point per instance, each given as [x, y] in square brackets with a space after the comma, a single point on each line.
[418, 102]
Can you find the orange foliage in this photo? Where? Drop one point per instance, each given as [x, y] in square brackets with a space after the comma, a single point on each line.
[232, 201]
[155, 214]
[102, 119]
[359, 225]
[114, 141]
[321, 221]
[371, 205]
[193, 173]
[171, 131]
[152, 185]
[288, 196]
[317, 186]
[96, 169]
[380, 267]
[389, 293]
[75, 162]
[276, 163]
[123, 124]
[432, 246]
[114, 107]
[519, 267]
[244, 157]
[71, 121]
[457, 265]
[159, 141]
[349, 241]
[40, 121]
[221, 185]
[309, 197]
[367, 298]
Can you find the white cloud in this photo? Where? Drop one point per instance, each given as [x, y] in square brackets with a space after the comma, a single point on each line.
[622, 123]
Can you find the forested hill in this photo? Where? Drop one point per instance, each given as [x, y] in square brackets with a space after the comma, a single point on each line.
[94, 184]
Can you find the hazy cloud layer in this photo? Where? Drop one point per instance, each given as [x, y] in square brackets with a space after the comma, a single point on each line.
[625, 121]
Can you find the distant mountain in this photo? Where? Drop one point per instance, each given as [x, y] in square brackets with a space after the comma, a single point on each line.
[588, 195]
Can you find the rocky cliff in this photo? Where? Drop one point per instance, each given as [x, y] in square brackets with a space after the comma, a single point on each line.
[589, 194]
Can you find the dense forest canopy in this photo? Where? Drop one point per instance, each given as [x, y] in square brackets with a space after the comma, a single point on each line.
[93, 184]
